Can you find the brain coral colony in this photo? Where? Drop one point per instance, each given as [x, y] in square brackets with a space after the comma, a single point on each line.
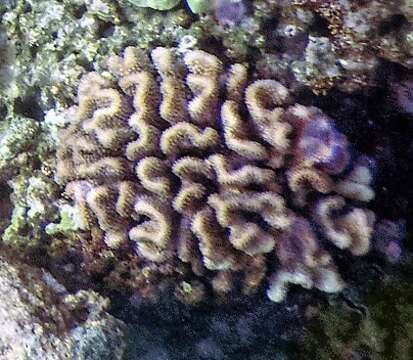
[188, 170]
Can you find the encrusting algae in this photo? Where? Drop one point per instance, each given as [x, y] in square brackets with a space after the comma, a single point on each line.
[177, 161]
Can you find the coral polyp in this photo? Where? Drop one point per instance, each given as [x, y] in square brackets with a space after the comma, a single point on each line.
[180, 161]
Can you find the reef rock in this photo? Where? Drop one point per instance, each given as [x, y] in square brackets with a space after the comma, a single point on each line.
[40, 320]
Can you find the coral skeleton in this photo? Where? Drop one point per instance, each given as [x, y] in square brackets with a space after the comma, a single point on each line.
[185, 162]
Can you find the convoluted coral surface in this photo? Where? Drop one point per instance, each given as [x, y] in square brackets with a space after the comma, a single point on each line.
[184, 163]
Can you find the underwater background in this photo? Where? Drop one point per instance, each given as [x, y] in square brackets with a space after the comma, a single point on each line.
[225, 179]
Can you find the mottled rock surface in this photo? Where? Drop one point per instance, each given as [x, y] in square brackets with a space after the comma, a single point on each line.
[39, 320]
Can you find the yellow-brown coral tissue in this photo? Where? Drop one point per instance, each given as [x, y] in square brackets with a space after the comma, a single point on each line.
[181, 161]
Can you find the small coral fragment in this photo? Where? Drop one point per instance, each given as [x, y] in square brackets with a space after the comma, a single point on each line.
[191, 293]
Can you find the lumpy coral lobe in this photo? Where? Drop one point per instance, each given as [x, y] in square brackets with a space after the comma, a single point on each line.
[168, 160]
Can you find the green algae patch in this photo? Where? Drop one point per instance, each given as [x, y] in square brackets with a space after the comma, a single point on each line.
[158, 5]
[199, 6]
[196, 6]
